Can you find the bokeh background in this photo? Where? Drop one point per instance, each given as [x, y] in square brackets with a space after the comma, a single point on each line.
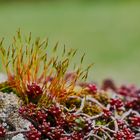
[108, 31]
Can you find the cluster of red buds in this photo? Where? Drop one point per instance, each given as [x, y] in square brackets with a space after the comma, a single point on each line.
[2, 132]
[53, 123]
[34, 90]
[92, 88]
[135, 121]
[107, 113]
[125, 134]
[116, 103]
[134, 104]
[33, 134]
[130, 91]
[58, 106]
[59, 122]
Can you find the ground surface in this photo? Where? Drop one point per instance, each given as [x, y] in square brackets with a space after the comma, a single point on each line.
[107, 32]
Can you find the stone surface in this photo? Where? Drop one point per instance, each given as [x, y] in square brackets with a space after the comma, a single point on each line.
[9, 104]
[18, 137]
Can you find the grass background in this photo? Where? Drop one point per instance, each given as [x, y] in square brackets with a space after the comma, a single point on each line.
[108, 32]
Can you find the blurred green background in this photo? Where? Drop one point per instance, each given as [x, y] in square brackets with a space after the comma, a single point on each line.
[108, 31]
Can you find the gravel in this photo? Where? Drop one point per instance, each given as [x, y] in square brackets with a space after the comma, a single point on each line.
[9, 116]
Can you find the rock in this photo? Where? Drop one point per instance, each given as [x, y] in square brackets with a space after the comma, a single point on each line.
[9, 103]
[18, 137]
[9, 116]
[10, 119]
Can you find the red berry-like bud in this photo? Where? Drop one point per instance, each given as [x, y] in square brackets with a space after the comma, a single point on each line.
[92, 88]
[77, 136]
[125, 134]
[107, 113]
[28, 110]
[56, 111]
[45, 128]
[135, 121]
[117, 103]
[41, 115]
[33, 134]
[109, 84]
[121, 123]
[57, 133]
[2, 132]
[135, 104]
[65, 138]
[34, 90]
[129, 91]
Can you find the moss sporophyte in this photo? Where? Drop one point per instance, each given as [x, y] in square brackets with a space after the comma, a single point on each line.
[61, 105]
[34, 75]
